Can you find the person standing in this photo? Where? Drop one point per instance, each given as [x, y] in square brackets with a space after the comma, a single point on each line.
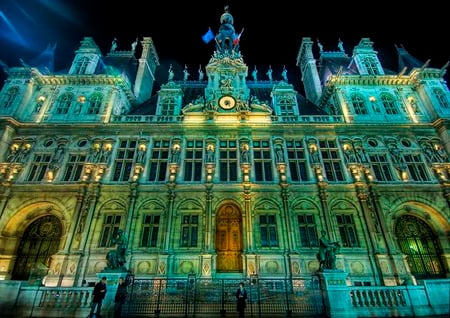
[241, 300]
[120, 298]
[99, 295]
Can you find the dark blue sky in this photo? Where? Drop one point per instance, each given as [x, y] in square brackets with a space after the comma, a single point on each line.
[272, 35]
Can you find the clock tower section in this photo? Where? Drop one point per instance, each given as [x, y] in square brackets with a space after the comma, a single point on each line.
[226, 71]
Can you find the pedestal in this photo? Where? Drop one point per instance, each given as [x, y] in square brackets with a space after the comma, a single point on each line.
[336, 293]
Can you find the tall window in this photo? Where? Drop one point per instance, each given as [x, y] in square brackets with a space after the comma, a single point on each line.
[193, 160]
[389, 104]
[150, 230]
[296, 160]
[268, 230]
[370, 63]
[39, 167]
[262, 160]
[307, 230]
[10, 96]
[331, 160]
[124, 162]
[74, 167]
[111, 225]
[228, 163]
[168, 106]
[63, 103]
[359, 105]
[441, 97]
[347, 230]
[158, 162]
[381, 167]
[95, 101]
[286, 104]
[189, 231]
[416, 167]
[82, 65]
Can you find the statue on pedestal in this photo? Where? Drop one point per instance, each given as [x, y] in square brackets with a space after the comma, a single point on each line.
[116, 259]
[327, 252]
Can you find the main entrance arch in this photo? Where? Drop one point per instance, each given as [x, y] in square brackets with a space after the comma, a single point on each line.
[40, 241]
[229, 242]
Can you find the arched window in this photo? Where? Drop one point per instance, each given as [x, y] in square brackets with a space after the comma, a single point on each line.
[389, 104]
[64, 102]
[359, 105]
[286, 104]
[418, 242]
[39, 242]
[95, 101]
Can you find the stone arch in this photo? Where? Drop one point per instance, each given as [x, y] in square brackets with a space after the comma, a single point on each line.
[40, 240]
[418, 240]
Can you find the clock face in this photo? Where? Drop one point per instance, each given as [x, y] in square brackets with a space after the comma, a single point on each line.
[227, 102]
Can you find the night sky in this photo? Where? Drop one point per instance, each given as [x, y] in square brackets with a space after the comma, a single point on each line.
[272, 34]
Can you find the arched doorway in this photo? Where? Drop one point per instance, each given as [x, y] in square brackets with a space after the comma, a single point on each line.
[418, 242]
[229, 240]
[40, 240]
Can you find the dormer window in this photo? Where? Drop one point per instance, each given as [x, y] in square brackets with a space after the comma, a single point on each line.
[370, 63]
[82, 65]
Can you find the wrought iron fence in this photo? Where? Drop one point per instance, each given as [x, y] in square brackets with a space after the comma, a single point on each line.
[193, 297]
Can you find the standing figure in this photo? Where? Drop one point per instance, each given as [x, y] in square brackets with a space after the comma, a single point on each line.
[201, 75]
[114, 45]
[341, 46]
[241, 300]
[119, 299]
[269, 73]
[284, 74]
[133, 45]
[210, 154]
[279, 153]
[255, 74]
[99, 295]
[171, 73]
[186, 73]
[320, 46]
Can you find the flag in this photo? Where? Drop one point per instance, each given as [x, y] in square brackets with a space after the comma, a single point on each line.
[238, 38]
[208, 36]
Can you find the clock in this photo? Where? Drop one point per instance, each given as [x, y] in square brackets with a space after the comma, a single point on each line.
[227, 102]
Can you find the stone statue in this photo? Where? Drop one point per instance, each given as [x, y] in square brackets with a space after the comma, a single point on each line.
[341, 46]
[116, 259]
[255, 74]
[284, 74]
[226, 37]
[201, 74]
[171, 73]
[134, 44]
[320, 46]
[269, 74]
[327, 252]
[186, 73]
[114, 45]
